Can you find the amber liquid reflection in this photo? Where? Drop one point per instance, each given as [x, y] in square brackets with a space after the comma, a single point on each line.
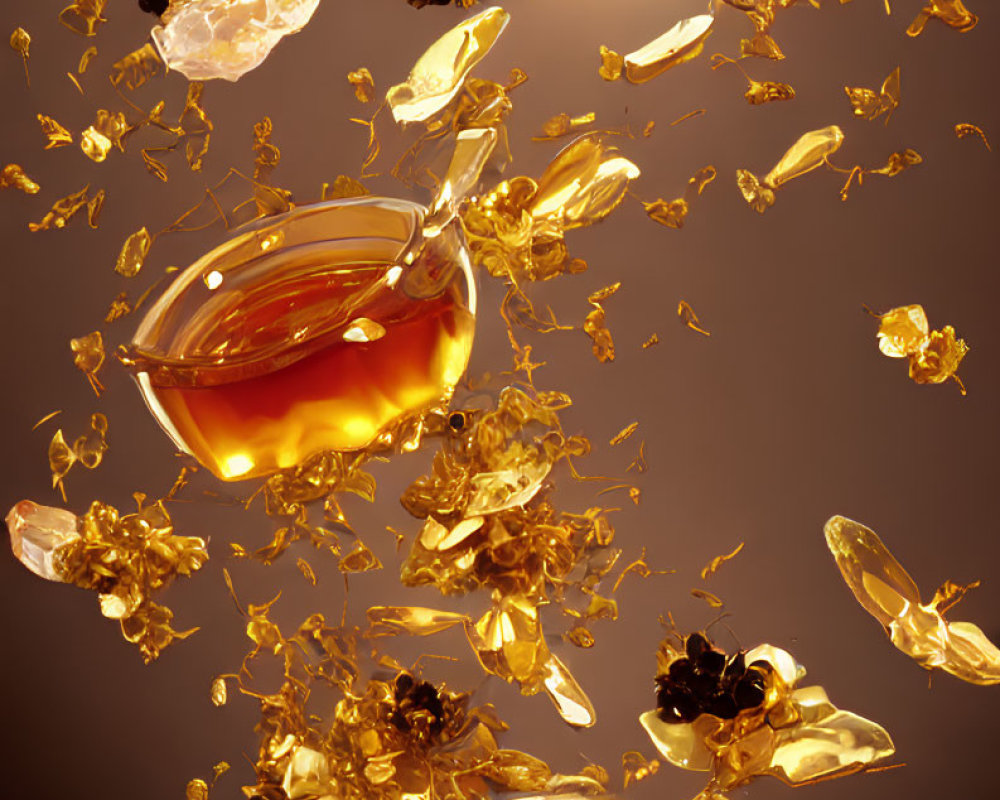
[330, 394]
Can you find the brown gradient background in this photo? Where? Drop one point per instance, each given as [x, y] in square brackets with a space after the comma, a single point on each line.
[786, 415]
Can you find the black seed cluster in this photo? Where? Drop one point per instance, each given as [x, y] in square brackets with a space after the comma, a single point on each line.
[154, 6]
[706, 681]
[411, 696]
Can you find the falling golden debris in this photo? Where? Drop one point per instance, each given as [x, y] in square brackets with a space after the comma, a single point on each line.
[713, 566]
[700, 180]
[895, 164]
[689, 318]
[363, 83]
[125, 558]
[56, 134]
[595, 325]
[751, 719]
[624, 434]
[563, 125]
[761, 46]
[964, 129]
[45, 419]
[137, 68]
[757, 92]
[952, 13]
[647, 131]
[680, 44]
[196, 789]
[888, 593]
[83, 16]
[106, 132]
[307, 571]
[20, 42]
[13, 176]
[636, 767]
[639, 464]
[219, 693]
[133, 253]
[65, 209]
[670, 214]
[88, 450]
[934, 356]
[88, 357]
[654, 339]
[612, 64]
[120, 307]
[88, 55]
[868, 104]
[810, 152]
[690, 115]
[713, 600]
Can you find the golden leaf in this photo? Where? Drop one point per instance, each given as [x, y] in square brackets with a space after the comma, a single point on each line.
[680, 44]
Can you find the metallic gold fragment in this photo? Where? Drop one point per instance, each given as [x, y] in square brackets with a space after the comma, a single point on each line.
[811, 151]
[219, 694]
[57, 135]
[196, 789]
[65, 209]
[700, 180]
[88, 357]
[94, 206]
[689, 318]
[95, 145]
[654, 339]
[363, 83]
[759, 92]
[888, 593]
[20, 42]
[712, 599]
[690, 115]
[88, 55]
[133, 253]
[713, 566]
[963, 129]
[137, 68]
[680, 44]
[868, 104]
[761, 46]
[120, 307]
[307, 571]
[83, 16]
[563, 125]
[934, 356]
[196, 127]
[13, 176]
[88, 450]
[670, 214]
[612, 64]
[796, 734]
[636, 767]
[952, 13]
[624, 434]
[439, 73]
[596, 327]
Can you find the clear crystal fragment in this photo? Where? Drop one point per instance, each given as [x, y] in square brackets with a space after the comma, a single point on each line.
[37, 533]
[207, 39]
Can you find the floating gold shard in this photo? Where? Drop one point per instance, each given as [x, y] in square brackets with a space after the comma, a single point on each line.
[88, 55]
[439, 73]
[760, 92]
[700, 180]
[670, 214]
[712, 599]
[680, 44]
[196, 126]
[13, 176]
[595, 325]
[57, 135]
[65, 209]
[713, 566]
[624, 434]
[83, 16]
[205, 39]
[964, 129]
[868, 104]
[88, 357]
[563, 125]
[761, 46]
[95, 145]
[636, 767]
[125, 558]
[612, 64]
[20, 42]
[774, 728]
[363, 82]
[344, 186]
[87, 450]
[137, 68]
[952, 13]
[219, 693]
[888, 593]
[196, 789]
[896, 163]
[934, 356]
[811, 151]
[133, 253]
[689, 318]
